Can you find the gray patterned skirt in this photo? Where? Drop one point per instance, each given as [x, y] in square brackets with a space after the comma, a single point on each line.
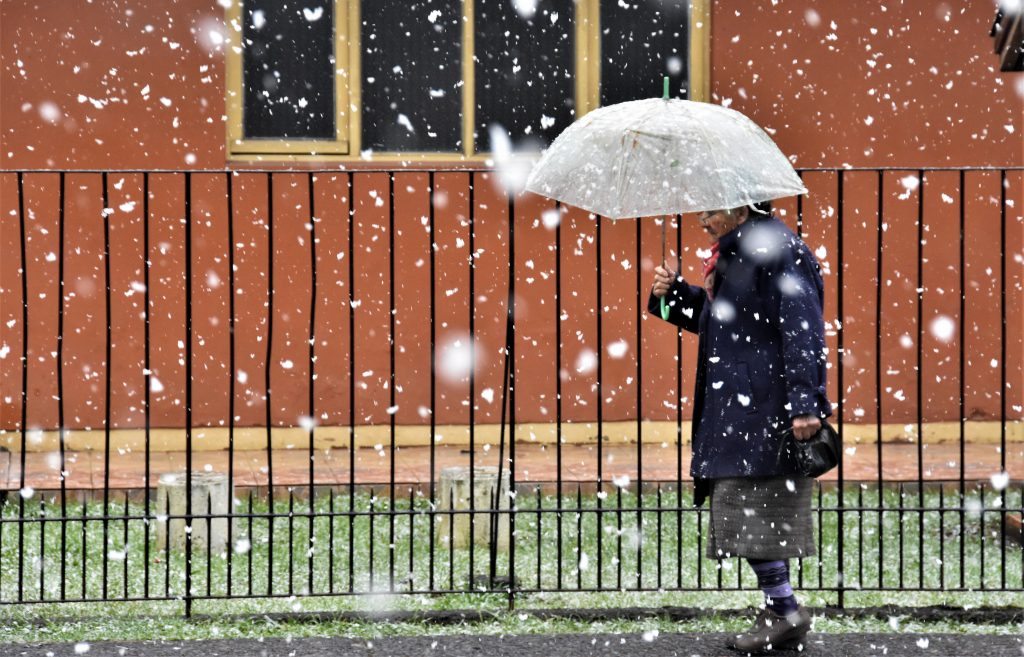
[761, 518]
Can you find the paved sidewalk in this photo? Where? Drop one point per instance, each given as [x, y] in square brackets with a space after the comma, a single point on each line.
[565, 645]
[534, 462]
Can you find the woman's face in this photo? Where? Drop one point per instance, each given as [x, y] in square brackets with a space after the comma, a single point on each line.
[719, 222]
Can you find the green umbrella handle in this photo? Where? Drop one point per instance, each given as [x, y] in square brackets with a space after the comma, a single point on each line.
[664, 309]
[664, 88]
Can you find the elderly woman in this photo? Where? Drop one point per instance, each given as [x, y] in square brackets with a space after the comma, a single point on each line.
[760, 374]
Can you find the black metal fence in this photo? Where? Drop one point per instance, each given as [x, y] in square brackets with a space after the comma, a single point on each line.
[943, 527]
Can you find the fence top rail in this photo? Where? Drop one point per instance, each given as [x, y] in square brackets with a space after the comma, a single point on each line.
[421, 169]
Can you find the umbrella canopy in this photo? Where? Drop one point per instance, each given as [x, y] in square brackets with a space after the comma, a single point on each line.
[660, 157]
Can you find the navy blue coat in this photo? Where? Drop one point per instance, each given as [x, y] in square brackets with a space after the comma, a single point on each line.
[761, 358]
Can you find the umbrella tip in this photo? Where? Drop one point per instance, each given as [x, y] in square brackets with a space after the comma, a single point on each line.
[664, 88]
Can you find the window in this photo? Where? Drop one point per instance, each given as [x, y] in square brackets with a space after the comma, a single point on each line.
[641, 42]
[524, 69]
[288, 85]
[428, 79]
[411, 75]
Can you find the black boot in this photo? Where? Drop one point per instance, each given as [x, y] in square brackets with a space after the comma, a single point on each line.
[773, 632]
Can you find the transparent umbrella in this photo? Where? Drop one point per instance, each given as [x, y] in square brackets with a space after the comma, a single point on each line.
[661, 157]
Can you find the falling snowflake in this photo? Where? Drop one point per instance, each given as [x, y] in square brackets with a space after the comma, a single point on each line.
[586, 361]
[1000, 480]
[618, 349]
[943, 328]
[551, 218]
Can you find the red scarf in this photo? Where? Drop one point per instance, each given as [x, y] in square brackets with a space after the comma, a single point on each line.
[709, 271]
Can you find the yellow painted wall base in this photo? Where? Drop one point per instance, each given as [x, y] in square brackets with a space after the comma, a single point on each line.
[325, 437]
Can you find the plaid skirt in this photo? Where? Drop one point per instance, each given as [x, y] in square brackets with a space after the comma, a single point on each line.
[761, 518]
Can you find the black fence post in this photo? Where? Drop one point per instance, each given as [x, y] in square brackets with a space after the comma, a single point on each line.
[101, 536]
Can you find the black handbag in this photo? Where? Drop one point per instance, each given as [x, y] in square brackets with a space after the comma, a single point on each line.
[816, 455]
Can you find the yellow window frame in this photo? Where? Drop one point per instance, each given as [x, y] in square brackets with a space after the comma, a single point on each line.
[237, 144]
[347, 144]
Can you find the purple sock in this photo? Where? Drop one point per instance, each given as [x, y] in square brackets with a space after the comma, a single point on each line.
[773, 578]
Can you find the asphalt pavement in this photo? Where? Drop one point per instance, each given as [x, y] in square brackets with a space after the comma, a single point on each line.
[558, 645]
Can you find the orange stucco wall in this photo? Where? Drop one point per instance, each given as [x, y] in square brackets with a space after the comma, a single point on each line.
[783, 64]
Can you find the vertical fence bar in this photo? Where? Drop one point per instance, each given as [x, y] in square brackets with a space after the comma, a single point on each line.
[800, 210]
[188, 398]
[506, 386]
[679, 421]
[433, 380]
[579, 536]
[450, 519]
[85, 548]
[251, 550]
[514, 503]
[920, 370]
[352, 383]
[821, 544]
[209, 534]
[148, 375]
[700, 542]
[391, 379]
[942, 536]
[558, 391]
[371, 514]
[127, 552]
[879, 269]
[412, 536]
[1002, 373]
[800, 234]
[60, 396]
[600, 409]
[860, 535]
[540, 543]
[961, 339]
[658, 518]
[42, 548]
[107, 377]
[472, 386]
[842, 390]
[291, 536]
[231, 373]
[312, 374]
[266, 380]
[107, 391]
[901, 490]
[639, 417]
[981, 534]
[330, 540]
[618, 537]
[24, 386]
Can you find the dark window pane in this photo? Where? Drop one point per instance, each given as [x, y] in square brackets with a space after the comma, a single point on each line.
[412, 54]
[641, 42]
[288, 69]
[525, 70]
